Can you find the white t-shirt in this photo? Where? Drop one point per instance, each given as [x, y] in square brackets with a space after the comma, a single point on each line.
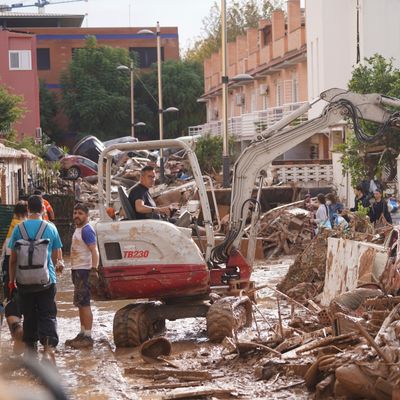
[81, 256]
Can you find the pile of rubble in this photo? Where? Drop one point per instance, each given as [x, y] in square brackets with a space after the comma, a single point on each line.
[285, 231]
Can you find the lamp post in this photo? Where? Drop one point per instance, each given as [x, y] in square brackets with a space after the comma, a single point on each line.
[225, 82]
[225, 145]
[125, 68]
[160, 97]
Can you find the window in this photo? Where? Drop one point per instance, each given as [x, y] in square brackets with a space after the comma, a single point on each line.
[113, 251]
[20, 60]
[267, 36]
[43, 59]
[146, 56]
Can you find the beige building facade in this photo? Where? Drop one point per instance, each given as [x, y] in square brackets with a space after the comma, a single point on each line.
[275, 55]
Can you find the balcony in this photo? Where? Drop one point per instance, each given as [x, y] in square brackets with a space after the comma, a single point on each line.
[247, 126]
[305, 172]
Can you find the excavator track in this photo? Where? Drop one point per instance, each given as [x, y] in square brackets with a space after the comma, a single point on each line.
[228, 315]
[133, 325]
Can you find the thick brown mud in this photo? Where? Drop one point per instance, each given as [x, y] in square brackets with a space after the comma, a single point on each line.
[99, 373]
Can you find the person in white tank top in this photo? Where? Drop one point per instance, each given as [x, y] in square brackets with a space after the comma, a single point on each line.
[84, 258]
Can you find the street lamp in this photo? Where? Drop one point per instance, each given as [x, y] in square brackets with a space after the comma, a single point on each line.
[160, 99]
[125, 68]
[225, 82]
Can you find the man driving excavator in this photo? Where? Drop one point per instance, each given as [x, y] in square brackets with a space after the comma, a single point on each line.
[141, 200]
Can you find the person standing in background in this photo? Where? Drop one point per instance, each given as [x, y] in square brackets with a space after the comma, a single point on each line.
[84, 258]
[379, 208]
[11, 310]
[48, 212]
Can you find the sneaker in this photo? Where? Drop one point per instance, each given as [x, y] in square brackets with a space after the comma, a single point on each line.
[81, 341]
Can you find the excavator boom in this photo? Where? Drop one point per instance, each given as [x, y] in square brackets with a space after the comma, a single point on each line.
[280, 138]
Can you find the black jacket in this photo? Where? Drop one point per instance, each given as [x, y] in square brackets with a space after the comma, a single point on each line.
[377, 209]
[362, 200]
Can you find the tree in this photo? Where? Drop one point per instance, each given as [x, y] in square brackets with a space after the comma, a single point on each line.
[182, 84]
[241, 15]
[209, 153]
[95, 95]
[11, 109]
[49, 108]
[375, 75]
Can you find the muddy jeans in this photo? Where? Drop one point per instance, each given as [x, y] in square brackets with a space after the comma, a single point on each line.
[40, 311]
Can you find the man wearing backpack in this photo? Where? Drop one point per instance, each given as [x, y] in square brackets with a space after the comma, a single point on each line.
[35, 247]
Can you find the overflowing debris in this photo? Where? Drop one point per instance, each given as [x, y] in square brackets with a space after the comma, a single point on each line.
[285, 231]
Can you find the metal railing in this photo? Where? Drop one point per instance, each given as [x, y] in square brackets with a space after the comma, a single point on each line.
[247, 126]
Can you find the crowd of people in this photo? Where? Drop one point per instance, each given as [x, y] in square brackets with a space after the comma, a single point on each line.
[30, 305]
[330, 213]
[32, 258]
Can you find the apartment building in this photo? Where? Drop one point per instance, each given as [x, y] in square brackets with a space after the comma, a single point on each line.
[59, 36]
[53, 40]
[18, 73]
[275, 55]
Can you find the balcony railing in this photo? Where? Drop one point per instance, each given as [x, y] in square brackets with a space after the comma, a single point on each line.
[317, 173]
[247, 126]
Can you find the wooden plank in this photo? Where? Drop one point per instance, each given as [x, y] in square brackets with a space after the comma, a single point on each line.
[181, 374]
[195, 392]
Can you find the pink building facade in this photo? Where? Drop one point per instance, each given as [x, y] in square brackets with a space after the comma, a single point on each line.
[275, 55]
[18, 72]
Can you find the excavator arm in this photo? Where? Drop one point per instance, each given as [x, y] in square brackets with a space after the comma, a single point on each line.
[280, 138]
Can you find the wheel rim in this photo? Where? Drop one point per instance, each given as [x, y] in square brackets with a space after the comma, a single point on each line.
[73, 173]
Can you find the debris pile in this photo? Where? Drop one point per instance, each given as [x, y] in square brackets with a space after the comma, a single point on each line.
[285, 231]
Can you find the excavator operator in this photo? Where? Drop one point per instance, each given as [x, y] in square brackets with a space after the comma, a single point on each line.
[142, 203]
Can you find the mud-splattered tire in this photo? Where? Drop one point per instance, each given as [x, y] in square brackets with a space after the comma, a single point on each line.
[226, 316]
[132, 325]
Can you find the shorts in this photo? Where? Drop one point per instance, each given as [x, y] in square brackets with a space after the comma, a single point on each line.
[80, 279]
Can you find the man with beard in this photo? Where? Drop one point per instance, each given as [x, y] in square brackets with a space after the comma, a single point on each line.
[84, 258]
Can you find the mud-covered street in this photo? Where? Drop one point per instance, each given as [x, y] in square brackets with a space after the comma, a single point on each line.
[100, 373]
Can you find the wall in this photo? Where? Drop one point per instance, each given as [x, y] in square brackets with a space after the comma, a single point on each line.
[62, 41]
[21, 82]
[332, 44]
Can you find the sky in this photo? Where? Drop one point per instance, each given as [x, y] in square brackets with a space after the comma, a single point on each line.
[187, 15]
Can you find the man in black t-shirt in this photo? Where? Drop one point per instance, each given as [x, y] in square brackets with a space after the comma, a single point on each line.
[141, 200]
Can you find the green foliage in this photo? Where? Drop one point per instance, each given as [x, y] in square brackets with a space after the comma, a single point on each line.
[354, 159]
[209, 153]
[240, 15]
[49, 108]
[375, 75]
[27, 143]
[11, 109]
[183, 84]
[96, 97]
[362, 211]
